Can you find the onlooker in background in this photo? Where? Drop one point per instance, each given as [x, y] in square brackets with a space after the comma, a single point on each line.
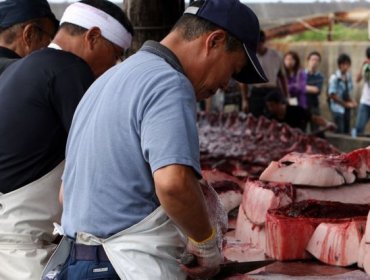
[294, 116]
[38, 96]
[253, 97]
[25, 26]
[314, 85]
[363, 114]
[296, 79]
[340, 90]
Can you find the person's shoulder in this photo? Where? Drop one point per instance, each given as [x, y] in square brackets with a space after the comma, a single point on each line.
[302, 72]
[154, 68]
[55, 59]
[333, 77]
[274, 53]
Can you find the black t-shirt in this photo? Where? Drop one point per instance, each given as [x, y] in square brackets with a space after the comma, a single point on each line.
[296, 117]
[38, 96]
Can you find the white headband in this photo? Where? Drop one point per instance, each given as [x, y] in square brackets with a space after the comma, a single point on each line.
[88, 17]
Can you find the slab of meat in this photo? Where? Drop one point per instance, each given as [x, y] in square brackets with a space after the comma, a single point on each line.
[260, 196]
[248, 232]
[289, 228]
[364, 251]
[361, 252]
[242, 145]
[214, 175]
[229, 193]
[319, 170]
[358, 193]
[337, 243]
[242, 252]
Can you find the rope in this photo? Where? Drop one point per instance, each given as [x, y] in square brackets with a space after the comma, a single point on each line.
[318, 30]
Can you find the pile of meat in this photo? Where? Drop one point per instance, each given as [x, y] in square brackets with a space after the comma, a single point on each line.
[243, 145]
[302, 206]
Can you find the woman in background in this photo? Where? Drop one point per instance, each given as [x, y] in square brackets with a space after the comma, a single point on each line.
[296, 77]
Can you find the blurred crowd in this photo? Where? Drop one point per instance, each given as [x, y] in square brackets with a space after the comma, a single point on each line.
[294, 91]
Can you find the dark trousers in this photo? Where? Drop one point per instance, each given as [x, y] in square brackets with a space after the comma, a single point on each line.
[343, 122]
[315, 111]
[87, 263]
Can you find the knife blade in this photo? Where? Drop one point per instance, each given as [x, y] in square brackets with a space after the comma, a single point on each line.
[230, 268]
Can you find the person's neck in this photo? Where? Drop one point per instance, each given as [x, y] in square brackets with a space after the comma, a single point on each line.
[312, 70]
[185, 53]
[14, 47]
[343, 73]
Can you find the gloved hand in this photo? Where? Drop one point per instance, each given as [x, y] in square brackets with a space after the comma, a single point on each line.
[208, 258]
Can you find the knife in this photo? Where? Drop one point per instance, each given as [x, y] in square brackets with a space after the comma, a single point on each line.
[229, 268]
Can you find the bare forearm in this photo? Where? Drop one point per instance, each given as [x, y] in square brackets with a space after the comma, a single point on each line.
[320, 121]
[338, 100]
[181, 197]
[61, 194]
[359, 77]
[312, 89]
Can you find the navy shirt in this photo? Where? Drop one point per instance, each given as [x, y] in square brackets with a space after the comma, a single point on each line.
[38, 96]
[136, 118]
[317, 80]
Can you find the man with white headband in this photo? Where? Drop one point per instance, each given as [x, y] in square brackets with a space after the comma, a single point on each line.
[132, 158]
[38, 97]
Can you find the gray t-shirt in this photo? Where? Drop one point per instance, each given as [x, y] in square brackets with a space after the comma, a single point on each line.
[138, 117]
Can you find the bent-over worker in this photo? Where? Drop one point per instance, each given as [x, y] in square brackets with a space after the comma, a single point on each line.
[25, 26]
[131, 190]
[294, 116]
[38, 96]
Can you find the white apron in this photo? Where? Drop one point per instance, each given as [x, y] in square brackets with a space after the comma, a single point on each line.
[145, 251]
[26, 227]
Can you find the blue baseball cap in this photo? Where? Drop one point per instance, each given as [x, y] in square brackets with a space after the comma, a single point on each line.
[241, 22]
[17, 11]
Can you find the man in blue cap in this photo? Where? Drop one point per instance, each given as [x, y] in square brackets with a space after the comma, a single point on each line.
[25, 26]
[132, 157]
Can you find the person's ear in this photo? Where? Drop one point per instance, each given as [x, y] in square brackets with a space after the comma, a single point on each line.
[92, 37]
[216, 39]
[28, 36]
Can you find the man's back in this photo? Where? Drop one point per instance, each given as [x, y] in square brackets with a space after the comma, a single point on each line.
[38, 95]
[297, 117]
[122, 128]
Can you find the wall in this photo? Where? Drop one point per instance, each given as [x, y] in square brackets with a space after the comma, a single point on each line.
[330, 52]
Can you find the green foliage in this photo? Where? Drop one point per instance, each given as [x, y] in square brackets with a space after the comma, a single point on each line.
[341, 32]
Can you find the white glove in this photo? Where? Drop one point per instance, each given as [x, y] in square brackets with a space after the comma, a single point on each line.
[208, 257]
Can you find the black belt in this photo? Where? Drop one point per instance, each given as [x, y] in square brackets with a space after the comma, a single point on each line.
[89, 253]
